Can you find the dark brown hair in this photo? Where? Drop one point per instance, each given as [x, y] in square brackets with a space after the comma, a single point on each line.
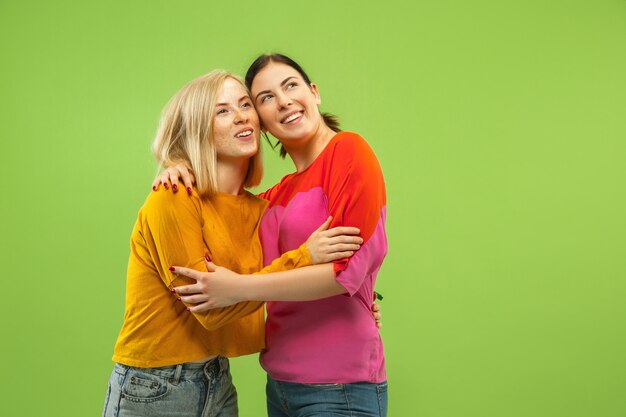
[261, 62]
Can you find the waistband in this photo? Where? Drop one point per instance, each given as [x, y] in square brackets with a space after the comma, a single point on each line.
[213, 368]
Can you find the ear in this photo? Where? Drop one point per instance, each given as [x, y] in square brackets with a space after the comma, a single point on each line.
[316, 93]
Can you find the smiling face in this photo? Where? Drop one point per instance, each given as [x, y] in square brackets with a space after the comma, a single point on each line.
[287, 105]
[235, 122]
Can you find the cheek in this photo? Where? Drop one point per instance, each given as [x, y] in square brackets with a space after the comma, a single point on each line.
[266, 117]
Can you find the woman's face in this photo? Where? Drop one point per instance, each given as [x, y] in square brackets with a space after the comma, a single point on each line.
[235, 122]
[287, 105]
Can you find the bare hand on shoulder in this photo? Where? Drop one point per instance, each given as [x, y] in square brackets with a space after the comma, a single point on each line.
[172, 175]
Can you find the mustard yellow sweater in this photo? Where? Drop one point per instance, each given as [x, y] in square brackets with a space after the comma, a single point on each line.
[175, 229]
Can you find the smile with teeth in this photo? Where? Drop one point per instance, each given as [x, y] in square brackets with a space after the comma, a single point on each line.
[244, 134]
[292, 117]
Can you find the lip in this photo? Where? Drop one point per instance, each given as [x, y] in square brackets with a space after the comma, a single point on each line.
[245, 129]
[282, 121]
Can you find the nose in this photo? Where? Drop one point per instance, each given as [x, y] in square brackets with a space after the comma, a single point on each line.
[241, 117]
[283, 100]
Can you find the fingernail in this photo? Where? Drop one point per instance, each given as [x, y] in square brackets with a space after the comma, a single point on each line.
[172, 269]
[174, 187]
[165, 185]
[208, 258]
[178, 298]
[154, 188]
[189, 190]
[188, 309]
[173, 290]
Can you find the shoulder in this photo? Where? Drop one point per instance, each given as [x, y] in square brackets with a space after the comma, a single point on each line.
[162, 203]
[353, 151]
[351, 141]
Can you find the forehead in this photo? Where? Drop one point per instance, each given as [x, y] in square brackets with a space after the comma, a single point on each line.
[272, 75]
[231, 89]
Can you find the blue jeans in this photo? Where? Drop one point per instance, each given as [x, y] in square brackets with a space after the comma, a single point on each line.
[360, 399]
[186, 390]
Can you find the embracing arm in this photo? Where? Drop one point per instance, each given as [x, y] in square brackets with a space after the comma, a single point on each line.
[221, 287]
[303, 284]
[172, 229]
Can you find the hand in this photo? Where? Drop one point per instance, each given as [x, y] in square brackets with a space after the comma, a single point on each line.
[330, 245]
[219, 287]
[171, 175]
[377, 315]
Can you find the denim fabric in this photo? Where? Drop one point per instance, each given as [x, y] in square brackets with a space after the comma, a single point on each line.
[361, 399]
[186, 390]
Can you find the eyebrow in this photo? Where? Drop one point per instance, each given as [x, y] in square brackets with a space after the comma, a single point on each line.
[240, 99]
[281, 84]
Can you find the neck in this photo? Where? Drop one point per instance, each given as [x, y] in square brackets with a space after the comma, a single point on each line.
[304, 153]
[231, 175]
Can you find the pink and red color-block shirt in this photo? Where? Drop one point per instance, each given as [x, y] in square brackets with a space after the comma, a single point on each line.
[333, 340]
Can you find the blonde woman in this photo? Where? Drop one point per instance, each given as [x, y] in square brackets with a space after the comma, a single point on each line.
[169, 359]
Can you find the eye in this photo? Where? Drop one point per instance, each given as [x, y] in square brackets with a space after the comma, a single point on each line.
[266, 97]
[246, 104]
[221, 111]
[292, 84]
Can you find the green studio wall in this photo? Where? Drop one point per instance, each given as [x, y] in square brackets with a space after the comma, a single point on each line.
[500, 127]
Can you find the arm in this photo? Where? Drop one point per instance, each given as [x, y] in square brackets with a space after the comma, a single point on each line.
[356, 196]
[303, 284]
[221, 287]
[172, 230]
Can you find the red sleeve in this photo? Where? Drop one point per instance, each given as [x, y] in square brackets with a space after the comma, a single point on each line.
[356, 197]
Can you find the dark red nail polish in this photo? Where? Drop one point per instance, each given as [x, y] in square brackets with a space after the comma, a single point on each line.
[189, 190]
[174, 187]
[178, 298]
[154, 188]
[173, 290]
[165, 185]
[188, 309]
[172, 269]
[208, 258]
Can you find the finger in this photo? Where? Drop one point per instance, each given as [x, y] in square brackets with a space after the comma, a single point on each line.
[325, 225]
[342, 230]
[174, 181]
[379, 324]
[165, 185]
[155, 184]
[200, 307]
[191, 273]
[188, 179]
[336, 256]
[375, 306]
[187, 289]
[344, 239]
[194, 299]
[343, 247]
[378, 316]
[210, 266]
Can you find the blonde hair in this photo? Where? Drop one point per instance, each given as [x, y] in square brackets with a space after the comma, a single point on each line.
[185, 133]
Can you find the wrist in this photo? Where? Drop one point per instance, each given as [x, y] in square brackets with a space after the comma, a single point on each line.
[247, 290]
